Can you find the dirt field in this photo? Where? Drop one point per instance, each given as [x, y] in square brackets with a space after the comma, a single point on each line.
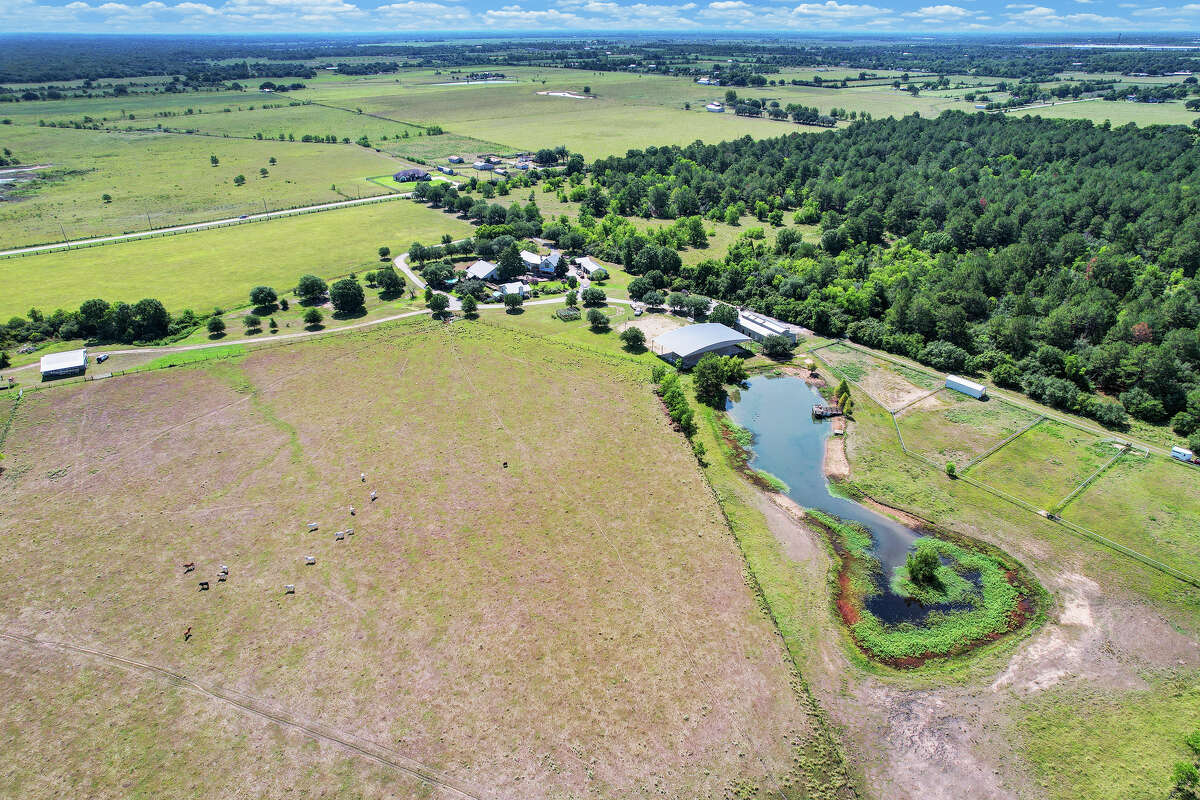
[875, 377]
[519, 614]
[653, 324]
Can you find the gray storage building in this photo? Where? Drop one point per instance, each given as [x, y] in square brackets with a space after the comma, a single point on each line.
[689, 343]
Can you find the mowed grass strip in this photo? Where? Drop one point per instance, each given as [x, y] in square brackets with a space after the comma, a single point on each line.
[219, 267]
[951, 426]
[1150, 504]
[1044, 464]
[161, 179]
[575, 622]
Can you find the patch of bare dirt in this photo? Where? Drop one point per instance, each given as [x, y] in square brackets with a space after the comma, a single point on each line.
[653, 324]
[836, 466]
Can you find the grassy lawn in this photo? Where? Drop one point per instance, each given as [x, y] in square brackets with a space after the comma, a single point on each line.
[585, 599]
[1149, 504]
[166, 179]
[950, 426]
[1044, 464]
[219, 267]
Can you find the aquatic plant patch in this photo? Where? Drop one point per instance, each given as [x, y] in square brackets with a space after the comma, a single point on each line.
[987, 596]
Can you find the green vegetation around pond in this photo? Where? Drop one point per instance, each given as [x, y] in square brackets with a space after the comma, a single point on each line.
[982, 596]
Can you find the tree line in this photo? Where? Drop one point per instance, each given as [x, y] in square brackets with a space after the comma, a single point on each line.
[1058, 256]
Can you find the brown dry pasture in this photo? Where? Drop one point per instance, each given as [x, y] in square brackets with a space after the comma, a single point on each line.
[882, 381]
[574, 624]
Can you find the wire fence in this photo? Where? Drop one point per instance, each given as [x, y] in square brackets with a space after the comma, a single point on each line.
[1022, 504]
[1012, 437]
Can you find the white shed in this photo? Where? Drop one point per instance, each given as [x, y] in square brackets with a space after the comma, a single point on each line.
[60, 365]
[976, 390]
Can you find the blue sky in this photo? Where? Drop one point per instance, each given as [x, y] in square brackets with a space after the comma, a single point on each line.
[550, 16]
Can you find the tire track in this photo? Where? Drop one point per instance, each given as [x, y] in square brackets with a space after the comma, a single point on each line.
[375, 752]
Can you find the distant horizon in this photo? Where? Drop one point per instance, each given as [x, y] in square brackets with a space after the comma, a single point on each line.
[551, 18]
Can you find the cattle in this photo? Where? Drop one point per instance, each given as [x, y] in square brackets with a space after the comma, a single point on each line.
[373, 496]
[204, 586]
[362, 476]
[289, 588]
[188, 567]
[312, 526]
[221, 576]
[310, 560]
[349, 531]
[339, 536]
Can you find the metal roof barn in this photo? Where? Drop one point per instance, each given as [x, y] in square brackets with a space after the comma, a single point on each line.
[691, 342]
[71, 362]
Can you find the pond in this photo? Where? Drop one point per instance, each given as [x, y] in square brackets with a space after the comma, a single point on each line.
[790, 444]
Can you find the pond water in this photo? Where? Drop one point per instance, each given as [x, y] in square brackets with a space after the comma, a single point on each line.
[790, 444]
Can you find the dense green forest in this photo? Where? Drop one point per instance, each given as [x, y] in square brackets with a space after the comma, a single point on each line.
[1058, 256]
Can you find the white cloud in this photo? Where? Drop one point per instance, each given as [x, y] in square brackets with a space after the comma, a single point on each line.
[283, 16]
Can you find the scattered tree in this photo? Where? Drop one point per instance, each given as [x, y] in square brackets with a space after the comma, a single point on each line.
[593, 296]
[389, 281]
[922, 565]
[252, 321]
[634, 339]
[239, 180]
[106, 197]
[310, 288]
[572, 298]
[347, 296]
[214, 160]
[216, 325]
[384, 252]
[776, 346]
[263, 296]
[313, 317]
[597, 319]
[513, 301]
[951, 470]
[470, 306]
[439, 303]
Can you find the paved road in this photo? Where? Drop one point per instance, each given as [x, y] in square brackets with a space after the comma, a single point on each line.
[199, 226]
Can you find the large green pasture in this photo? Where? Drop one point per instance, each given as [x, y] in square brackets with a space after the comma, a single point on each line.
[220, 266]
[1150, 504]
[1044, 464]
[160, 179]
[1118, 113]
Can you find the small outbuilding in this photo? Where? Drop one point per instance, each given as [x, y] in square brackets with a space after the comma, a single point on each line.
[587, 265]
[715, 108]
[455, 159]
[485, 166]
[516, 287]
[689, 343]
[958, 384]
[1183, 454]
[62, 365]
[483, 271]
